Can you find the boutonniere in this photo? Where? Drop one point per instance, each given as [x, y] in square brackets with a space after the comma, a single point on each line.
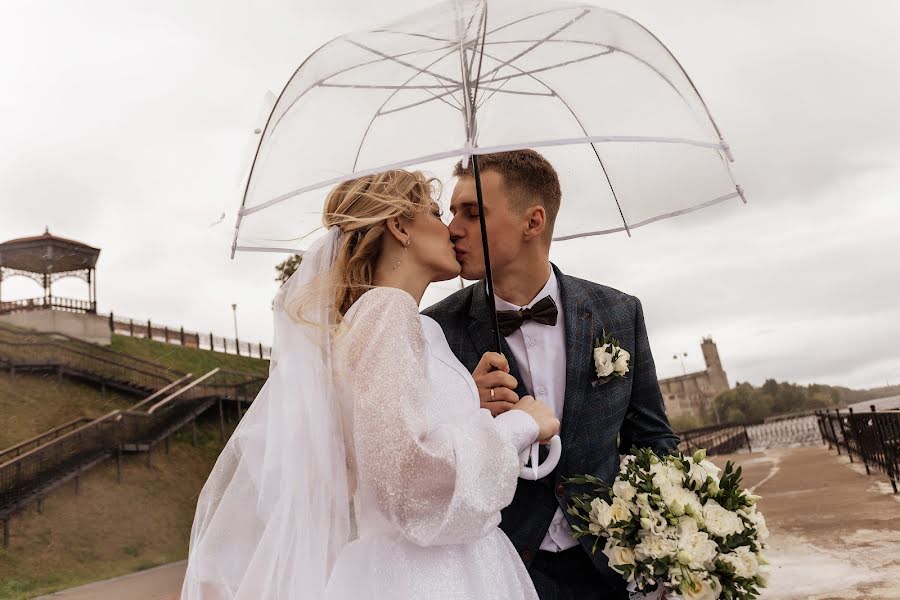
[609, 360]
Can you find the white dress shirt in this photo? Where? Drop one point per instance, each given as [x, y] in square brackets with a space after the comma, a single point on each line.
[544, 347]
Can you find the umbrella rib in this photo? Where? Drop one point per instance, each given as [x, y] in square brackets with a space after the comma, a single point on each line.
[381, 108]
[668, 215]
[403, 62]
[593, 145]
[523, 73]
[537, 43]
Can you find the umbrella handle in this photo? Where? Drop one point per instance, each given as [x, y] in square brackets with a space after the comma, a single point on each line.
[538, 471]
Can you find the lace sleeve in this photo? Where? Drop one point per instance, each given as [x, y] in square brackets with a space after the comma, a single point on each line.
[438, 486]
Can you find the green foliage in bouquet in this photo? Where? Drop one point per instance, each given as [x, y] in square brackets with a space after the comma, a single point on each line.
[675, 522]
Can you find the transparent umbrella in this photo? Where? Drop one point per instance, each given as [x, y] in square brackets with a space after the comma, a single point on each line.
[590, 88]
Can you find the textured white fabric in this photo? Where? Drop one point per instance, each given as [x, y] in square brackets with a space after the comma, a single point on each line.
[275, 513]
[430, 469]
[544, 347]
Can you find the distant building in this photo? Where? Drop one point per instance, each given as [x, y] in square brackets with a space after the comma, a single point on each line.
[692, 394]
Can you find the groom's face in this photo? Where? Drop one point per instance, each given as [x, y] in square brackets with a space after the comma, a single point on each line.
[504, 227]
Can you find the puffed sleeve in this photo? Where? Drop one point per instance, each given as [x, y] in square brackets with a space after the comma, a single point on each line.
[439, 486]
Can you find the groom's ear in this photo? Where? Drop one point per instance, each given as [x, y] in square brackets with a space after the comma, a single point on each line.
[535, 222]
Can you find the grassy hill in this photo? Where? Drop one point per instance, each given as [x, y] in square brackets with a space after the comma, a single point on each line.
[187, 359]
[33, 404]
[110, 529]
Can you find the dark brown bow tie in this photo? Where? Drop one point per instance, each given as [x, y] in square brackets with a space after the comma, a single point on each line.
[543, 311]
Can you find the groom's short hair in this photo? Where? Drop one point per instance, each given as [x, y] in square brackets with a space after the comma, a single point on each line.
[526, 173]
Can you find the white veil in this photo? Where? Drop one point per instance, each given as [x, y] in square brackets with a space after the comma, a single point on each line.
[275, 511]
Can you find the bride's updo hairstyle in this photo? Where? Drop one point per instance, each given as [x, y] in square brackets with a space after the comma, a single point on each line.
[360, 208]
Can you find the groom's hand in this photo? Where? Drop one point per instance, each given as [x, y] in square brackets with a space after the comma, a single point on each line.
[492, 374]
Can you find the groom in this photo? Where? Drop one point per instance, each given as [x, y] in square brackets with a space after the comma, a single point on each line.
[550, 351]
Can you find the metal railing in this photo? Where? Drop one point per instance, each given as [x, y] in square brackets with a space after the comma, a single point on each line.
[716, 439]
[870, 437]
[785, 432]
[189, 339]
[53, 302]
[39, 440]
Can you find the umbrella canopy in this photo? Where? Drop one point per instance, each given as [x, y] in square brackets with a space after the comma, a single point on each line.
[590, 88]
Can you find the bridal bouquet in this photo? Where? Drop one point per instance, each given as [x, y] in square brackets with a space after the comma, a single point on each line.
[673, 526]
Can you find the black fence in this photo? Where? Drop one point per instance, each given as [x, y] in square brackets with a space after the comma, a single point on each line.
[872, 438]
[717, 439]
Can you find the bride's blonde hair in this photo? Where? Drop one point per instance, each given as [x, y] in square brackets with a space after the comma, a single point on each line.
[360, 208]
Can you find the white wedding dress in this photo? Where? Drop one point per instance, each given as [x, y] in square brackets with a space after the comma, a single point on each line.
[364, 468]
[430, 468]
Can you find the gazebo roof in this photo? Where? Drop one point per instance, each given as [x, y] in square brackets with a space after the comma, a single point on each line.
[47, 253]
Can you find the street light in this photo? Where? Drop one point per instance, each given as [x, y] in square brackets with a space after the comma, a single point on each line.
[682, 357]
[234, 309]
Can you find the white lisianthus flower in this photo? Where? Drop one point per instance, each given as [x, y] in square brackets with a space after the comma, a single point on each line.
[697, 551]
[666, 474]
[624, 490]
[698, 587]
[721, 522]
[756, 519]
[700, 471]
[655, 547]
[603, 362]
[621, 364]
[749, 563]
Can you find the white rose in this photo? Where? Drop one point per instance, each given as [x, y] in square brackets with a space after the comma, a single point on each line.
[601, 515]
[721, 522]
[618, 555]
[604, 362]
[697, 587]
[624, 490]
[621, 364]
[619, 511]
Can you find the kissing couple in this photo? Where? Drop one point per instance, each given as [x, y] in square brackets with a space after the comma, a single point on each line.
[382, 457]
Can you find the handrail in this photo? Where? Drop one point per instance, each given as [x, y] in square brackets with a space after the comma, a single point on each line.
[181, 391]
[47, 433]
[93, 423]
[161, 391]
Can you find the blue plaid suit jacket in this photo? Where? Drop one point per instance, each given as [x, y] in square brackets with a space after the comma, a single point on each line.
[598, 422]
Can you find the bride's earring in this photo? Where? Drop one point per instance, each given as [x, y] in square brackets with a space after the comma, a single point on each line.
[405, 248]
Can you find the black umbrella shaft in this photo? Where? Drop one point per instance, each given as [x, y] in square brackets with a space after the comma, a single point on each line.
[488, 274]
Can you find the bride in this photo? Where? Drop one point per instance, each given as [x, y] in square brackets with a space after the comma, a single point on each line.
[365, 467]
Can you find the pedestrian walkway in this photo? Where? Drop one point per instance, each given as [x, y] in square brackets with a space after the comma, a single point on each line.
[835, 533]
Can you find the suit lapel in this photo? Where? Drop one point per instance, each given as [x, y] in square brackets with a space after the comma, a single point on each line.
[480, 332]
[581, 324]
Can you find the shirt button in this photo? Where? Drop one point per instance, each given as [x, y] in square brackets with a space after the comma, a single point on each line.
[531, 342]
[541, 391]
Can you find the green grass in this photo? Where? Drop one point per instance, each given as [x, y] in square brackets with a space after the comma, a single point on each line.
[33, 404]
[111, 528]
[187, 359]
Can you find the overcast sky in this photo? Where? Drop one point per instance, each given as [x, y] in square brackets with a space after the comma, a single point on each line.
[126, 125]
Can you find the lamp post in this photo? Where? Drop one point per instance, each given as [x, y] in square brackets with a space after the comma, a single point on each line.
[682, 356]
[234, 310]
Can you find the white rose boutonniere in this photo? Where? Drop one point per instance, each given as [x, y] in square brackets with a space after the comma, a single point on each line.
[610, 360]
